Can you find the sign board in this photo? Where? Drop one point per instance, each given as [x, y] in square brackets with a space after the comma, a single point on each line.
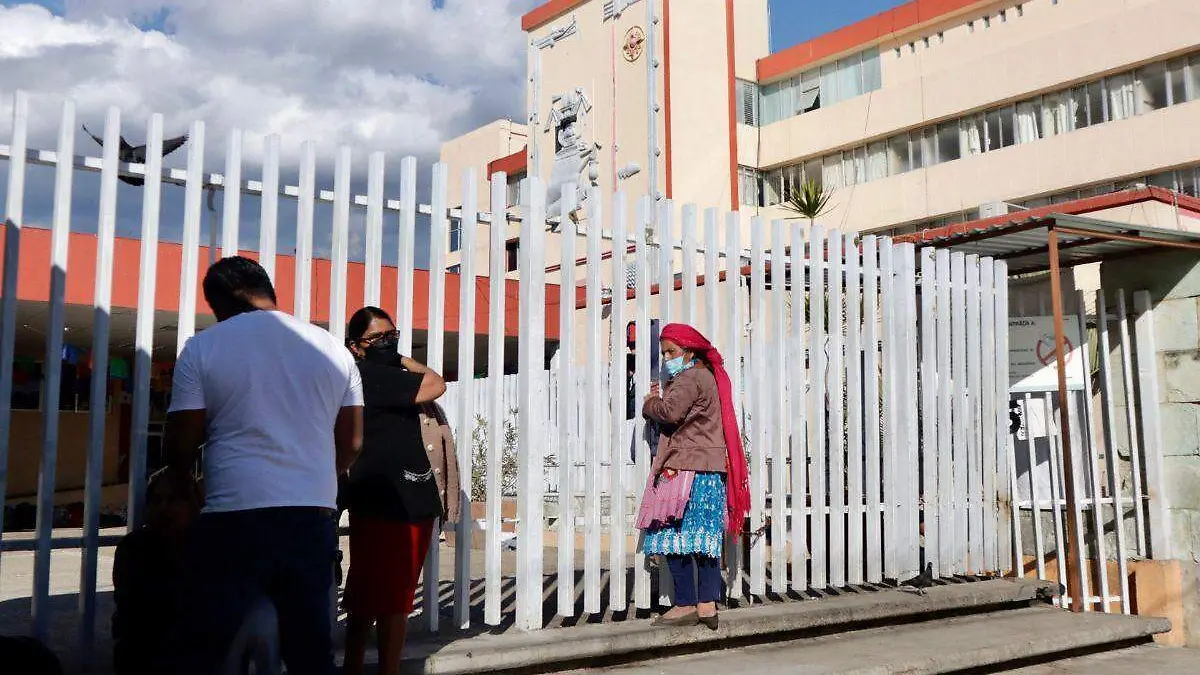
[1032, 358]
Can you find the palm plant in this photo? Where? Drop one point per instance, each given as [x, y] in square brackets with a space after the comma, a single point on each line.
[810, 200]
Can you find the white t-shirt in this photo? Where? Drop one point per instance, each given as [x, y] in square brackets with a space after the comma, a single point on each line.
[272, 386]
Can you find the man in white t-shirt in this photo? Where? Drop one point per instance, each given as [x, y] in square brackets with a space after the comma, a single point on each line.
[277, 405]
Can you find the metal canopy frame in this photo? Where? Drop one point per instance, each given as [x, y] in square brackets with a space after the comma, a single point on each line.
[1050, 243]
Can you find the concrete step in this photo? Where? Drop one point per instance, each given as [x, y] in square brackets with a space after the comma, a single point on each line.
[988, 642]
[1144, 659]
[628, 641]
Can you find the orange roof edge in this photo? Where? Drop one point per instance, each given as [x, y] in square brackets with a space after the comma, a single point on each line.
[1078, 207]
[513, 164]
[858, 35]
[546, 12]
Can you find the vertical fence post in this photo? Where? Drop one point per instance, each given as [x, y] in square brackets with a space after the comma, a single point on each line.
[890, 305]
[759, 443]
[144, 332]
[376, 167]
[872, 474]
[1004, 494]
[988, 403]
[929, 418]
[946, 534]
[268, 221]
[854, 408]
[594, 415]
[188, 269]
[51, 377]
[304, 231]
[339, 244]
[1131, 420]
[567, 404]
[531, 354]
[231, 196]
[642, 347]
[1107, 415]
[466, 400]
[797, 403]
[496, 410]
[778, 431]
[974, 422]
[836, 471]
[14, 214]
[439, 232]
[1147, 399]
[911, 401]
[734, 364]
[406, 254]
[688, 231]
[617, 445]
[97, 404]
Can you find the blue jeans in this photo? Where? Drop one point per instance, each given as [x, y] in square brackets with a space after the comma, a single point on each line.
[238, 560]
[697, 579]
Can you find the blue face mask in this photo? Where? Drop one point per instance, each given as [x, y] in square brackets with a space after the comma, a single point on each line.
[676, 366]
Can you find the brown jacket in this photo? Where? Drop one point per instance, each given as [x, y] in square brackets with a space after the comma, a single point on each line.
[443, 458]
[689, 416]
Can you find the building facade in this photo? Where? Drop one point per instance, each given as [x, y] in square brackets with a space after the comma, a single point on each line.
[935, 112]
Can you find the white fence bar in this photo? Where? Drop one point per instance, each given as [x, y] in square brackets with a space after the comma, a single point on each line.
[988, 418]
[1004, 493]
[439, 232]
[874, 460]
[689, 232]
[757, 376]
[797, 408]
[618, 445]
[376, 167]
[189, 267]
[304, 230]
[642, 347]
[854, 410]
[1090, 442]
[231, 202]
[779, 427]
[59, 246]
[495, 406]
[958, 375]
[1031, 477]
[734, 365]
[817, 410]
[890, 374]
[339, 247]
[836, 417]
[567, 430]
[667, 313]
[594, 418]
[144, 331]
[14, 213]
[106, 227]
[1056, 473]
[929, 417]
[531, 354]
[406, 258]
[466, 402]
[1147, 397]
[269, 214]
[1131, 421]
[712, 278]
[945, 418]
[1107, 416]
[974, 422]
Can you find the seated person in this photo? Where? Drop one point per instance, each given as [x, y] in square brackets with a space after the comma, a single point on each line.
[146, 577]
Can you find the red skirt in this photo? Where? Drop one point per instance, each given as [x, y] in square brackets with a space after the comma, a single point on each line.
[386, 558]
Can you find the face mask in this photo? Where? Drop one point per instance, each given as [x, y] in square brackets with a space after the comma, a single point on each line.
[382, 351]
[676, 366]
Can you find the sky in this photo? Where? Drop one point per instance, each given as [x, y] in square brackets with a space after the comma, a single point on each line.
[397, 75]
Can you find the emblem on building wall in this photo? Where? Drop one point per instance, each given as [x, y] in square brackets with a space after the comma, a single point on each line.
[635, 44]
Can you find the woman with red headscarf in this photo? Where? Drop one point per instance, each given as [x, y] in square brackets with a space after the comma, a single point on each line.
[698, 487]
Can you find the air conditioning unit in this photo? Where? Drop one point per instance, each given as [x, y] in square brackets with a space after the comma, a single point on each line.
[993, 209]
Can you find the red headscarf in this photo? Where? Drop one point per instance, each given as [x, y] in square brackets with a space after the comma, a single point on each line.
[737, 488]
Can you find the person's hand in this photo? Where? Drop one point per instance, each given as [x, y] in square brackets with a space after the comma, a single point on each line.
[655, 392]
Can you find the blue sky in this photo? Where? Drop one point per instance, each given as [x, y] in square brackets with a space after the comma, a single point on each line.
[794, 21]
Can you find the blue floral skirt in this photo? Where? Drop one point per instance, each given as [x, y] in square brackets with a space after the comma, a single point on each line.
[703, 528]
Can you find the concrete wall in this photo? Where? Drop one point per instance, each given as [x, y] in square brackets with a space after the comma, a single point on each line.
[1173, 280]
[25, 451]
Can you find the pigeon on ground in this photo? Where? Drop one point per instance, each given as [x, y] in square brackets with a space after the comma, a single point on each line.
[920, 582]
[136, 154]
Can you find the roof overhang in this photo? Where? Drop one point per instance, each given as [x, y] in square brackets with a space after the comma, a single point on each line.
[1025, 244]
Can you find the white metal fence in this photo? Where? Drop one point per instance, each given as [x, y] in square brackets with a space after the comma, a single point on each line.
[872, 376]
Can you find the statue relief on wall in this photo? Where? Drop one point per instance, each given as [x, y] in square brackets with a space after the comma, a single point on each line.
[576, 160]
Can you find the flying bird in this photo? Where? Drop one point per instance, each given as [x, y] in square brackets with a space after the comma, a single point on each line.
[136, 154]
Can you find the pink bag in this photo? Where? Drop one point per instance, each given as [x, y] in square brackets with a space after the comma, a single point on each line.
[665, 499]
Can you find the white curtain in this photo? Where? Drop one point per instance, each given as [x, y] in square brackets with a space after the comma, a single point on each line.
[971, 136]
[1027, 122]
[1122, 100]
[877, 162]
[849, 171]
[831, 172]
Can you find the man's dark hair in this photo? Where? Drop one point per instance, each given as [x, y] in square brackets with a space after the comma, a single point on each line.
[232, 284]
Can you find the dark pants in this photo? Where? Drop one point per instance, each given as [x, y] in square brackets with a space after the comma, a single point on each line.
[697, 579]
[236, 561]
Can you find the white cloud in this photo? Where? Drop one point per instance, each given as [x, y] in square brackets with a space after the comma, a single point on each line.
[394, 75]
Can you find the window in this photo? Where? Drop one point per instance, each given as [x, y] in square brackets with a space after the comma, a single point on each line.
[512, 259]
[949, 144]
[1027, 121]
[514, 189]
[831, 172]
[877, 161]
[455, 269]
[1003, 16]
[973, 134]
[812, 171]
[749, 185]
[772, 187]
[747, 93]
[923, 146]
[1153, 90]
[1020, 10]
[898, 157]
[1000, 129]
[1079, 107]
[987, 22]
[852, 76]
[1095, 102]
[941, 37]
[1177, 81]
[1192, 80]
[455, 235]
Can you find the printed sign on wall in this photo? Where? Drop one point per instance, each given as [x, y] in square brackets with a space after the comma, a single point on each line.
[1032, 357]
